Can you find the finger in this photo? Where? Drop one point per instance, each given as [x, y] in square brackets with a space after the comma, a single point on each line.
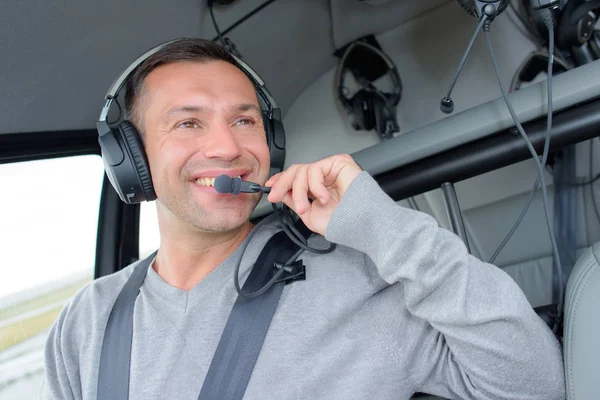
[339, 171]
[300, 190]
[271, 181]
[283, 184]
[328, 170]
[316, 183]
[288, 200]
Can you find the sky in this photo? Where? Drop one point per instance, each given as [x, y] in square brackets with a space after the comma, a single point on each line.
[49, 220]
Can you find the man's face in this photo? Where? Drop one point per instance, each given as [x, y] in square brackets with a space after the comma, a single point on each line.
[202, 120]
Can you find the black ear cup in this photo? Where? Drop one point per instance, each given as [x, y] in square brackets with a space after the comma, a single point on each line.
[577, 23]
[268, 129]
[139, 163]
[358, 109]
[372, 110]
[276, 141]
[363, 104]
[381, 114]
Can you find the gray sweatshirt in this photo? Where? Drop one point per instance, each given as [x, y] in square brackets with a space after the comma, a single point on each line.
[398, 307]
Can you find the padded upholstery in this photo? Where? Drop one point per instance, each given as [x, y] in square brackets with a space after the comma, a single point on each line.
[582, 327]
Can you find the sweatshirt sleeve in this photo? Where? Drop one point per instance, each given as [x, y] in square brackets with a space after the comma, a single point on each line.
[485, 340]
[57, 384]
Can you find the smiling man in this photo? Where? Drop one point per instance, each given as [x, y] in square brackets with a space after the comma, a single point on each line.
[398, 307]
[200, 120]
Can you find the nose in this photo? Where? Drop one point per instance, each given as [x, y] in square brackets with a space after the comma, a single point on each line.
[222, 144]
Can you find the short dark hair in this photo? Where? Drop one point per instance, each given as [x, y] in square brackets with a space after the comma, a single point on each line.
[185, 49]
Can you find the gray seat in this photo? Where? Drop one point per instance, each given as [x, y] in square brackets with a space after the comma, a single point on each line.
[582, 327]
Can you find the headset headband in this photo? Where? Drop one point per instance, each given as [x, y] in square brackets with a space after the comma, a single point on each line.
[115, 88]
[391, 66]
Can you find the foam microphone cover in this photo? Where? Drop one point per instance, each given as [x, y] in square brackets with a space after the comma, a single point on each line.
[225, 184]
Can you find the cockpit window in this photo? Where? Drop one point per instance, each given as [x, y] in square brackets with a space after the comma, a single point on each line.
[48, 224]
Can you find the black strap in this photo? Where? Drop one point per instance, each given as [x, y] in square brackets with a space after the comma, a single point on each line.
[240, 342]
[247, 326]
[113, 375]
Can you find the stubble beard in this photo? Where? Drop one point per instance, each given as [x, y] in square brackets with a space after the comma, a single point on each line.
[196, 216]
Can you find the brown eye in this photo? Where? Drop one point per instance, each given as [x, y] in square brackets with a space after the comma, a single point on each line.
[245, 121]
[187, 124]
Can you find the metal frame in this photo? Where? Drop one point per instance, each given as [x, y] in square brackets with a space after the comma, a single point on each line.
[454, 213]
[493, 152]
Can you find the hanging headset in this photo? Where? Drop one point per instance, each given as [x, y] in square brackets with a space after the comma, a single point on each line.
[576, 34]
[370, 108]
[123, 152]
[576, 30]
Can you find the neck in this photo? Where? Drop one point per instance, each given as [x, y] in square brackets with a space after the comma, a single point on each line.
[187, 255]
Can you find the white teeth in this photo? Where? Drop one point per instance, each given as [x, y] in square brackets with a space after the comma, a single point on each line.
[209, 181]
[205, 181]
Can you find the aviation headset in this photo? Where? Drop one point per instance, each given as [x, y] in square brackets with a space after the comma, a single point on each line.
[576, 28]
[577, 23]
[370, 108]
[123, 152]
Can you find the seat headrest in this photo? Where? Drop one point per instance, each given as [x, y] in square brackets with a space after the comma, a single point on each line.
[582, 327]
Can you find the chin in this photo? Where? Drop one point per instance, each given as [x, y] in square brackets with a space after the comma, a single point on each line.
[223, 220]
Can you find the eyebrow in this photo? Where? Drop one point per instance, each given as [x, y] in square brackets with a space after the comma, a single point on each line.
[183, 109]
[246, 107]
[239, 107]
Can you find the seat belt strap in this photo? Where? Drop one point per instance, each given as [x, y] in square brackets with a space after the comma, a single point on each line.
[241, 341]
[247, 326]
[115, 359]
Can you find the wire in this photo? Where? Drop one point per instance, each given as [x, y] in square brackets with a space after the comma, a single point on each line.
[236, 278]
[556, 256]
[517, 223]
[546, 144]
[550, 27]
[287, 225]
[295, 236]
[212, 16]
[242, 20]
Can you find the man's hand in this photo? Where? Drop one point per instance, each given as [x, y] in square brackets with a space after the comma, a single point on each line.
[324, 181]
